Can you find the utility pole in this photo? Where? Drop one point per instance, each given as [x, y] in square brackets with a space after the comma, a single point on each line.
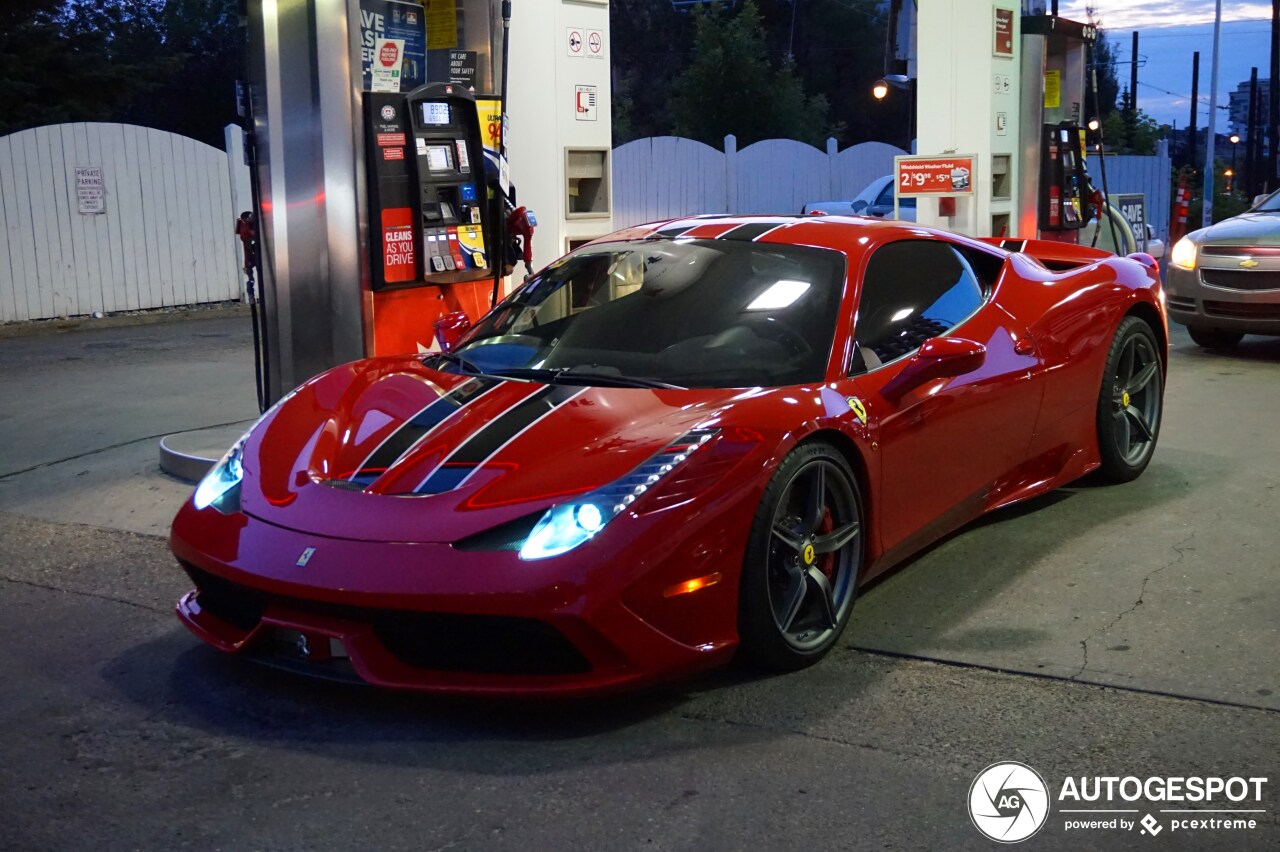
[1195, 99]
[1133, 82]
[1273, 160]
[1207, 218]
[1251, 148]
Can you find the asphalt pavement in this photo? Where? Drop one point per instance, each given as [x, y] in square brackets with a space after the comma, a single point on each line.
[1100, 631]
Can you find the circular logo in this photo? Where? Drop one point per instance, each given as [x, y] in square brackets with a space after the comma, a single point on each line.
[388, 112]
[809, 554]
[1008, 802]
[1124, 400]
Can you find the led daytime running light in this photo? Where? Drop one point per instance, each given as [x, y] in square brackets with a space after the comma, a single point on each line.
[567, 525]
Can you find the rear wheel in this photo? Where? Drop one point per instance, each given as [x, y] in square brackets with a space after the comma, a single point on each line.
[1131, 401]
[803, 556]
[1214, 338]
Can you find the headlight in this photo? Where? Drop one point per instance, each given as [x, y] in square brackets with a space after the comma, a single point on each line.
[567, 525]
[1183, 254]
[220, 487]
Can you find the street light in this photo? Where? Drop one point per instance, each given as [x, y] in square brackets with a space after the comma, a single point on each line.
[1229, 174]
[880, 90]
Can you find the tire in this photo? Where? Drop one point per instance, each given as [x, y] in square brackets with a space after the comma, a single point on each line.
[800, 574]
[1130, 402]
[1214, 338]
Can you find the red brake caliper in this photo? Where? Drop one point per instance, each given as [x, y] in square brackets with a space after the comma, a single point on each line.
[827, 562]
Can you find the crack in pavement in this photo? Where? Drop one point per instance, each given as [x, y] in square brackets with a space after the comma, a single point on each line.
[122, 444]
[1181, 550]
[84, 594]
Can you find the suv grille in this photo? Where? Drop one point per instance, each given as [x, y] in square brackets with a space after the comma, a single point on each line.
[1240, 279]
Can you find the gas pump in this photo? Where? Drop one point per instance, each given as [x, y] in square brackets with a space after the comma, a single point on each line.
[1065, 196]
[380, 164]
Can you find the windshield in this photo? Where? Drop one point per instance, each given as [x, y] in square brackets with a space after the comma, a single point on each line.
[693, 313]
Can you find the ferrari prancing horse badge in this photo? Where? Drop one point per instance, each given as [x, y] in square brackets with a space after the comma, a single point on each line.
[859, 410]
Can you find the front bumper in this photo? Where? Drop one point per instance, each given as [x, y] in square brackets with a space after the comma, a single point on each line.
[1241, 300]
[430, 618]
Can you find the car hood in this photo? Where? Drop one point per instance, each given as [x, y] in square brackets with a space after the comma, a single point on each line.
[389, 450]
[1245, 229]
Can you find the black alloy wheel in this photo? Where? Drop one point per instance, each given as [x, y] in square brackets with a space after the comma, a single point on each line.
[805, 550]
[1131, 401]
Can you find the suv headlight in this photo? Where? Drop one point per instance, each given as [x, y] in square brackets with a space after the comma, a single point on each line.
[1183, 254]
[567, 525]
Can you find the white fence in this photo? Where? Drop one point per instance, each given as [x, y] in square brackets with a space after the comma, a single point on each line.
[163, 235]
[1149, 175]
[664, 177]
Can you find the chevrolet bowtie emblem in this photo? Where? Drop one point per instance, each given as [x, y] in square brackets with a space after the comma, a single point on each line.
[1248, 263]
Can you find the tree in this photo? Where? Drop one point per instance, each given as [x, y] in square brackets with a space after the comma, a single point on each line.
[730, 86]
[1138, 134]
[651, 44]
[171, 65]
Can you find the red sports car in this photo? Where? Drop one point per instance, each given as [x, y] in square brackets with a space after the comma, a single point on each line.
[679, 443]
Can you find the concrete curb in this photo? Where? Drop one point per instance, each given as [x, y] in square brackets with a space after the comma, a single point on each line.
[40, 328]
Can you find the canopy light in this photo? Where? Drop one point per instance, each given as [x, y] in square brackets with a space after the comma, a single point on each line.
[781, 294]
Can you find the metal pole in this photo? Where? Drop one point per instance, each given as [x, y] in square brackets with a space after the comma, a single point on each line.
[1206, 218]
[1273, 161]
[1251, 149]
[1133, 81]
[1195, 99]
[500, 227]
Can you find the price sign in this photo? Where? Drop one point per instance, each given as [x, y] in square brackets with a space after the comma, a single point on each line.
[934, 176]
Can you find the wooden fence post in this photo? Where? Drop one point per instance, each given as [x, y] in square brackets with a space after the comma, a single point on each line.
[731, 172]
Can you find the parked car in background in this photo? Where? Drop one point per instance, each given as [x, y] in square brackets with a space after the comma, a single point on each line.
[1224, 280]
[876, 199]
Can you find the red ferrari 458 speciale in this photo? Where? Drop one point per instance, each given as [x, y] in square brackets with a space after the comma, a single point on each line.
[679, 443]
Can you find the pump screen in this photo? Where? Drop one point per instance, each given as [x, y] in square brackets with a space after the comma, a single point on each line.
[435, 113]
[438, 159]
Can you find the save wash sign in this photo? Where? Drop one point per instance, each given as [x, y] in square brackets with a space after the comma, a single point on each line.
[1010, 802]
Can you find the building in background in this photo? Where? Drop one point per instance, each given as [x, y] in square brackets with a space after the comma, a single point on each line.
[1239, 108]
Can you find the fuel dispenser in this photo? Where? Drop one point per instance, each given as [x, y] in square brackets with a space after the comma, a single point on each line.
[1065, 196]
[429, 205]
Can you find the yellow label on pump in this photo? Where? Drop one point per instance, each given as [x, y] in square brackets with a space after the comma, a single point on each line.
[471, 238]
[1052, 89]
[442, 24]
[490, 110]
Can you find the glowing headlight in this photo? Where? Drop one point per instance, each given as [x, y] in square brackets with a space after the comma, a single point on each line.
[1183, 254]
[568, 525]
[220, 487]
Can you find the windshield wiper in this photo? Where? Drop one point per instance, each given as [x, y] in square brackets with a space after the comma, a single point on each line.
[454, 358]
[578, 375]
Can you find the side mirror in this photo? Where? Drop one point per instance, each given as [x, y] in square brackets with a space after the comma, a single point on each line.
[858, 206]
[450, 328]
[1258, 199]
[938, 358]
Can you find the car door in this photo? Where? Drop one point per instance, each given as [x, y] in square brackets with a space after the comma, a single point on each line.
[944, 442]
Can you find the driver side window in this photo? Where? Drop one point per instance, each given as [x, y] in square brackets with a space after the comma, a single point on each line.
[912, 290]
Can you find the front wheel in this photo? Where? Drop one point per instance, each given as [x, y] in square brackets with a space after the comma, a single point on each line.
[1131, 402]
[1214, 338]
[803, 556]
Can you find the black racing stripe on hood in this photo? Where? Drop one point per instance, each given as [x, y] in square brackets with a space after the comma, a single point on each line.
[400, 441]
[750, 231]
[484, 443]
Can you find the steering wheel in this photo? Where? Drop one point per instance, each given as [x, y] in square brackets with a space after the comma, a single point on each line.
[781, 334]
